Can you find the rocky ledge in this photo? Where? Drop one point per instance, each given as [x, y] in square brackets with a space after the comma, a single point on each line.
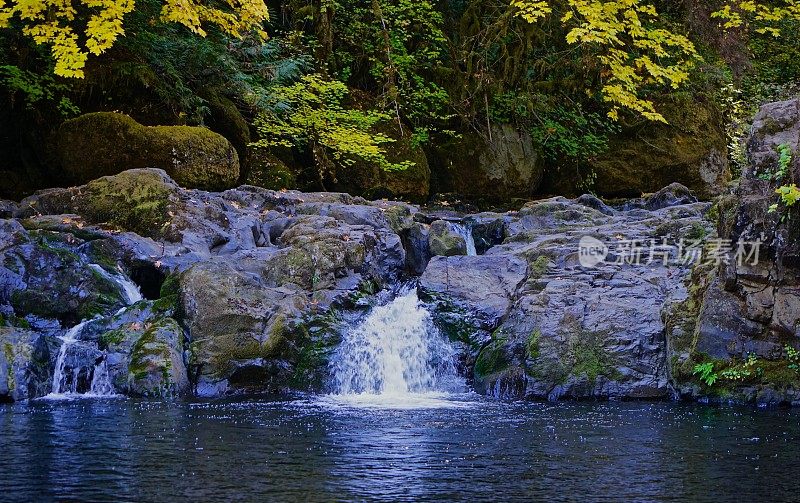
[251, 289]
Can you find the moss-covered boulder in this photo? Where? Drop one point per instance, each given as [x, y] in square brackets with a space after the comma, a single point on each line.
[138, 200]
[498, 164]
[445, 241]
[105, 143]
[145, 357]
[646, 156]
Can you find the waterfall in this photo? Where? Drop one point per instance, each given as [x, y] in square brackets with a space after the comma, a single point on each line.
[69, 339]
[395, 352]
[465, 231]
[129, 289]
[101, 381]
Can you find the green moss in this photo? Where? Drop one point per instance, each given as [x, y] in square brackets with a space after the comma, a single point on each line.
[112, 337]
[588, 356]
[492, 359]
[532, 348]
[134, 201]
[696, 232]
[100, 144]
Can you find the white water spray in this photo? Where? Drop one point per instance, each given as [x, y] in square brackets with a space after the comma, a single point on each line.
[395, 353]
[130, 291]
[69, 339]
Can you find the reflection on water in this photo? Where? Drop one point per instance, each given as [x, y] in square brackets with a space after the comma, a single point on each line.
[321, 449]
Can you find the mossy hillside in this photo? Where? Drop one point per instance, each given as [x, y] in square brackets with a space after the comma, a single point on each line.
[105, 143]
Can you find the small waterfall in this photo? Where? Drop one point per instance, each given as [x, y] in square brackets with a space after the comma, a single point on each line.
[101, 381]
[465, 231]
[69, 339]
[395, 352]
[130, 291]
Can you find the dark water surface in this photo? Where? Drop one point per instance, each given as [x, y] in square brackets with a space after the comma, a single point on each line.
[311, 450]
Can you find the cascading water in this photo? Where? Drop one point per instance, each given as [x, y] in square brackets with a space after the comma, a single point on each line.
[395, 354]
[101, 382]
[129, 289]
[465, 231]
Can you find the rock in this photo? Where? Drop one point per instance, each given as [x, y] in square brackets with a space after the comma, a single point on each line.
[483, 284]
[594, 202]
[418, 252]
[7, 208]
[674, 194]
[136, 200]
[752, 309]
[691, 150]
[104, 143]
[499, 165]
[535, 323]
[145, 354]
[445, 240]
[45, 274]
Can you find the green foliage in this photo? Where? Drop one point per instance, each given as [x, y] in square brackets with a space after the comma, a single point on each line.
[395, 45]
[37, 90]
[532, 348]
[572, 133]
[793, 355]
[310, 114]
[706, 372]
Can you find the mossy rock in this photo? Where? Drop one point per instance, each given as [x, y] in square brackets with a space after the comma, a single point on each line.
[644, 157]
[138, 200]
[268, 171]
[444, 241]
[106, 143]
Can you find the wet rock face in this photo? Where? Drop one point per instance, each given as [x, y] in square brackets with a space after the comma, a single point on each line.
[536, 323]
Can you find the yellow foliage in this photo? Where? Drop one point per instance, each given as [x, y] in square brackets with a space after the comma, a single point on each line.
[56, 23]
[741, 13]
[622, 36]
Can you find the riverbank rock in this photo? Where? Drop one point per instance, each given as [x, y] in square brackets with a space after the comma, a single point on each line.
[748, 325]
[106, 143]
[537, 323]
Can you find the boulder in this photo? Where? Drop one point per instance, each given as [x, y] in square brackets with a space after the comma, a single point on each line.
[497, 165]
[105, 143]
[138, 200]
[144, 353]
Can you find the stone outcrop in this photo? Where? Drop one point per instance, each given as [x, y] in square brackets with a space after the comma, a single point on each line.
[502, 164]
[749, 318]
[643, 158]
